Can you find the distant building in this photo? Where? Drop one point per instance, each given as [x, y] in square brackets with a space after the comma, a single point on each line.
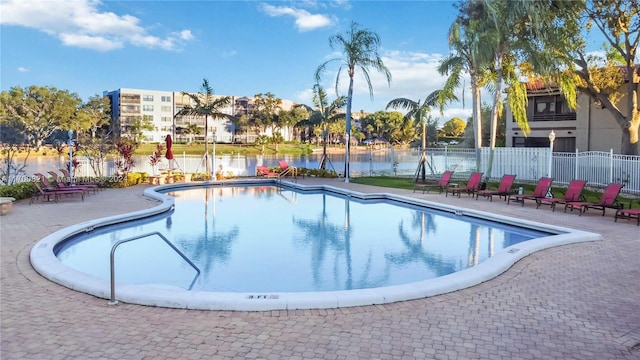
[588, 128]
[161, 106]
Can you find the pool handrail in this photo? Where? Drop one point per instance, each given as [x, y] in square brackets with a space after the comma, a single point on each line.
[113, 300]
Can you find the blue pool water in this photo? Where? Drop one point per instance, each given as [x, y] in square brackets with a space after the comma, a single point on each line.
[273, 239]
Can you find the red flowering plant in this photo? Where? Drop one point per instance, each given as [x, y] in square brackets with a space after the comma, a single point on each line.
[156, 157]
[125, 162]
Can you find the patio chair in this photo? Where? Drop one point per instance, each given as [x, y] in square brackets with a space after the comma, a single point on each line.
[473, 185]
[628, 214]
[608, 199]
[541, 190]
[79, 181]
[56, 193]
[574, 193]
[62, 185]
[262, 170]
[440, 185]
[49, 186]
[504, 188]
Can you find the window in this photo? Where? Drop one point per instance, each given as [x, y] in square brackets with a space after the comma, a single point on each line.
[147, 107]
[551, 108]
[147, 97]
[166, 119]
[165, 99]
[148, 117]
[130, 108]
[165, 108]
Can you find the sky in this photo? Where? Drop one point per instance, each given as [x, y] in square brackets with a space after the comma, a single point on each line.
[243, 48]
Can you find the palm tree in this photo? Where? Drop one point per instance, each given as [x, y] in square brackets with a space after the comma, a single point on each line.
[420, 111]
[467, 56]
[324, 113]
[360, 50]
[207, 105]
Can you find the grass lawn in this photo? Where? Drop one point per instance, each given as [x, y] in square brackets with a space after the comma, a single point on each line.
[528, 188]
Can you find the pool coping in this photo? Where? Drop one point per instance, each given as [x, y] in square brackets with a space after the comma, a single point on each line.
[46, 263]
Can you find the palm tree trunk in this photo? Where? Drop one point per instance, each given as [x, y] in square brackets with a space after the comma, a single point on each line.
[494, 114]
[348, 127]
[477, 119]
[206, 145]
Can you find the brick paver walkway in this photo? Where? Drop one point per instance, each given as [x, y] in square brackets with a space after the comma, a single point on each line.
[579, 301]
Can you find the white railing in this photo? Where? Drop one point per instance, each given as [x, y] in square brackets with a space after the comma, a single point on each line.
[528, 164]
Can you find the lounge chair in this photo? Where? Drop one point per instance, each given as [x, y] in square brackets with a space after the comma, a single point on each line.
[608, 199]
[62, 185]
[628, 214]
[441, 185]
[56, 193]
[541, 190]
[504, 188]
[262, 170]
[574, 193]
[48, 186]
[473, 185]
[78, 181]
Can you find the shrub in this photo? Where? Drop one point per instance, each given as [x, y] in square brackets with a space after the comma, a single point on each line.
[18, 191]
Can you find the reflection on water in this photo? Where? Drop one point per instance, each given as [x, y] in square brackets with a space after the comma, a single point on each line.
[270, 239]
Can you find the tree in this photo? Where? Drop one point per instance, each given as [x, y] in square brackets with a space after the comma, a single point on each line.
[136, 128]
[191, 130]
[454, 127]
[264, 112]
[467, 56]
[93, 114]
[40, 110]
[324, 113]
[419, 111]
[359, 49]
[619, 22]
[206, 105]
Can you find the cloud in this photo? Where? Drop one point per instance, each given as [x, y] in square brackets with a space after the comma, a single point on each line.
[304, 20]
[414, 76]
[81, 24]
[22, 69]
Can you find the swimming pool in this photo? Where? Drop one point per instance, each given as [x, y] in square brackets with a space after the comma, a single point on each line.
[259, 246]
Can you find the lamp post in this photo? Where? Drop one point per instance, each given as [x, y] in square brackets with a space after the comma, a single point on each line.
[552, 137]
[70, 133]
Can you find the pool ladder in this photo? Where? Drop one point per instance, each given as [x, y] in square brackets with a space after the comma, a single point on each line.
[112, 300]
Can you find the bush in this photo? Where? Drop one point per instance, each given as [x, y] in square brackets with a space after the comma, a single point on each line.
[18, 191]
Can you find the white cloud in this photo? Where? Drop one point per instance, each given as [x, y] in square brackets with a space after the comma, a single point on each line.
[304, 97]
[304, 20]
[414, 76]
[22, 69]
[81, 24]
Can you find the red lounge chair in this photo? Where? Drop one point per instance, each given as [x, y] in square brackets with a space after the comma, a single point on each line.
[541, 190]
[264, 171]
[62, 185]
[608, 199]
[471, 188]
[628, 214]
[504, 188]
[53, 192]
[440, 185]
[77, 181]
[574, 193]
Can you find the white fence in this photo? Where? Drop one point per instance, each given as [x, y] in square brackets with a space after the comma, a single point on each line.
[528, 164]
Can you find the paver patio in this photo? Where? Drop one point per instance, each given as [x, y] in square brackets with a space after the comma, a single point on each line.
[579, 301]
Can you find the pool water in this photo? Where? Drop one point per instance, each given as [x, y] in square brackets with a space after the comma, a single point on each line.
[279, 239]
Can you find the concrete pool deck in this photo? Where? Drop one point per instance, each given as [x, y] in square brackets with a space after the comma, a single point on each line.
[578, 301]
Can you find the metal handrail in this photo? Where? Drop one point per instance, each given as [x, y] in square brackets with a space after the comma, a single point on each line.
[290, 169]
[113, 300]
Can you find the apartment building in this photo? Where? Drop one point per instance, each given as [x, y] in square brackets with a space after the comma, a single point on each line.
[160, 107]
[589, 127]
